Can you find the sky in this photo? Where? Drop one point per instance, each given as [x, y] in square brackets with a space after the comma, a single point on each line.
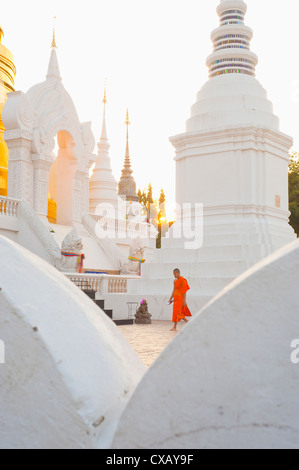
[153, 54]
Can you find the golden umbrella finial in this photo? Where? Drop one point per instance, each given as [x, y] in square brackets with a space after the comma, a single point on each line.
[127, 124]
[1, 34]
[54, 45]
[127, 118]
[105, 92]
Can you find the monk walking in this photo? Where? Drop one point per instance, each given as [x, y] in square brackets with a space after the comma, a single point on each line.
[178, 296]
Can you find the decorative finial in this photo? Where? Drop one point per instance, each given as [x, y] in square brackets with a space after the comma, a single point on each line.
[105, 92]
[127, 118]
[1, 34]
[54, 45]
[104, 130]
[127, 124]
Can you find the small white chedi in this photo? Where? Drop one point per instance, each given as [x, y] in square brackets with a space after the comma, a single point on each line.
[103, 186]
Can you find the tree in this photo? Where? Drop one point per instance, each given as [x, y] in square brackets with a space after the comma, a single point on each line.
[149, 200]
[155, 210]
[294, 191]
[162, 198]
[162, 220]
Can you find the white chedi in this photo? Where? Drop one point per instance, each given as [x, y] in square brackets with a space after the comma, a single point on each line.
[102, 185]
[67, 365]
[231, 172]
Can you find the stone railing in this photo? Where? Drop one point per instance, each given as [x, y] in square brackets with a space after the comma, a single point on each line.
[117, 228]
[102, 283]
[117, 286]
[8, 206]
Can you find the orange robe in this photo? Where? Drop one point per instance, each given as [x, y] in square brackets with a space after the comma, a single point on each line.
[181, 286]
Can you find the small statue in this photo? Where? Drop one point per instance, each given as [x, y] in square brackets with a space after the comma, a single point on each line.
[143, 317]
[71, 251]
[136, 255]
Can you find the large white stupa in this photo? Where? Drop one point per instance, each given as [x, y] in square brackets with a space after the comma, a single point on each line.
[233, 157]
[231, 172]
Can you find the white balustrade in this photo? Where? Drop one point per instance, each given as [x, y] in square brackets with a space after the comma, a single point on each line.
[102, 283]
[117, 286]
[8, 206]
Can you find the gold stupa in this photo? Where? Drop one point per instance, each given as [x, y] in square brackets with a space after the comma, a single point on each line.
[7, 76]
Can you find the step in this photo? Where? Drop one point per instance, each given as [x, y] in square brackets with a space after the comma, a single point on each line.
[217, 239]
[90, 293]
[206, 253]
[198, 269]
[109, 313]
[207, 287]
[100, 303]
[124, 322]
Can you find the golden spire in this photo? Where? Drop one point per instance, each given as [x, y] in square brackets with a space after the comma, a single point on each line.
[127, 118]
[104, 130]
[127, 184]
[1, 34]
[105, 92]
[127, 146]
[54, 45]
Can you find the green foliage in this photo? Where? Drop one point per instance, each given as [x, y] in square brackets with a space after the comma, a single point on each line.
[155, 210]
[150, 199]
[294, 191]
[142, 197]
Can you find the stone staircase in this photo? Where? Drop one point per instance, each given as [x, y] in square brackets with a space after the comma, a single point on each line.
[101, 304]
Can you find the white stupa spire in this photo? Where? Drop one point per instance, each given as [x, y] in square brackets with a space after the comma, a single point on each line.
[53, 68]
[103, 186]
[104, 128]
[231, 42]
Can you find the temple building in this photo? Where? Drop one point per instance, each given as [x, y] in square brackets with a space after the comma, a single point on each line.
[51, 203]
[7, 76]
[127, 185]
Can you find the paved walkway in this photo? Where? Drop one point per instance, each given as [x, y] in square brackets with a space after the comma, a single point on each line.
[149, 340]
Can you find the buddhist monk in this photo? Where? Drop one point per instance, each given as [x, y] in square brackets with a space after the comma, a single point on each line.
[178, 296]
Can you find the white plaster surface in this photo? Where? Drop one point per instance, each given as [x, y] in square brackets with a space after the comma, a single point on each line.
[227, 380]
[65, 384]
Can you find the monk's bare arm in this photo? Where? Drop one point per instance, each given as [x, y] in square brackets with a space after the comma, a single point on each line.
[171, 297]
